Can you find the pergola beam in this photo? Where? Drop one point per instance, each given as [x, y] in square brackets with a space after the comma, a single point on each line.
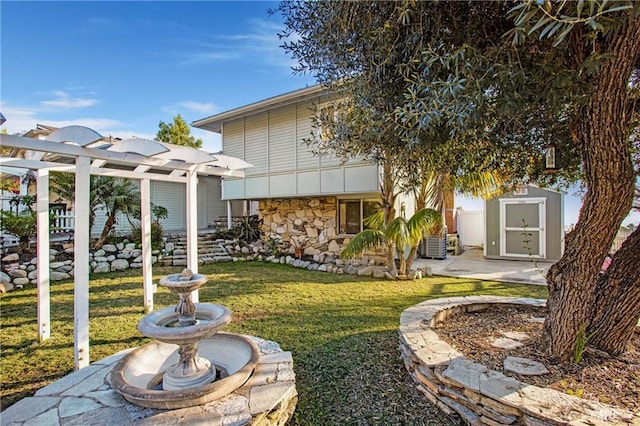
[145, 228]
[70, 150]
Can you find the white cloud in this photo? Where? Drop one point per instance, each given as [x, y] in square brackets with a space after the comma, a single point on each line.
[260, 43]
[64, 100]
[199, 107]
[18, 119]
[21, 119]
[196, 58]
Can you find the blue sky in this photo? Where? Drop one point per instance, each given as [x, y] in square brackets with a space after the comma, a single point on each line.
[122, 67]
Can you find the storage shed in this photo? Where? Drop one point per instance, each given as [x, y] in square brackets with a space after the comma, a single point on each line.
[525, 223]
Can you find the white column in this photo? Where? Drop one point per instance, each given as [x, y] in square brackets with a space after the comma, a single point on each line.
[192, 226]
[42, 238]
[81, 265]
[229, 212]
[145, 227]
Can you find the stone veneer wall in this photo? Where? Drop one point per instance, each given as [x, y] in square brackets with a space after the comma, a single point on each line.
[310, 223]
[482, 396]
[307, 222]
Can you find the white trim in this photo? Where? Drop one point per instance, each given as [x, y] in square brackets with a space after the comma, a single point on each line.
[541, 228]
[192, 226]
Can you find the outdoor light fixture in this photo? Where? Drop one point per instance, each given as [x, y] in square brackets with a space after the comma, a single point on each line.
[550, 159]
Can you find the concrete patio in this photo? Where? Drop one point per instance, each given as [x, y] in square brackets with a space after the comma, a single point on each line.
[472, 264]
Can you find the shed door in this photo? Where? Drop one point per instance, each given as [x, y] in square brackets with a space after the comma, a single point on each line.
[522, 227]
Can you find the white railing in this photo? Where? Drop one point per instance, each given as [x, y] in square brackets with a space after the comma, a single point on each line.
[64, 222]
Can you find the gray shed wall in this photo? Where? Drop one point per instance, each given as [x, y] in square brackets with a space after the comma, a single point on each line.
[554, 223]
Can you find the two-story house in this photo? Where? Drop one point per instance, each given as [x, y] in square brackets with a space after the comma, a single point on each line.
[310, 200]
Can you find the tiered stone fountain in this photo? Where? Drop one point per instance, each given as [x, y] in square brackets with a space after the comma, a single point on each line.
[190, 363]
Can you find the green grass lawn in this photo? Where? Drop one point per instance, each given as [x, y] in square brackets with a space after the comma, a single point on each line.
[342, 331]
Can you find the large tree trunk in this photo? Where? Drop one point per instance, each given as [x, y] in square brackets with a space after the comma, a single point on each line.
[618, 299]
[602, 130]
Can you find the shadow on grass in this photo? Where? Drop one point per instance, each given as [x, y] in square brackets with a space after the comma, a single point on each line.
[360, 379]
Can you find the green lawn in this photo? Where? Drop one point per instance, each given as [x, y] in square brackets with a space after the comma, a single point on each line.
[342, 331]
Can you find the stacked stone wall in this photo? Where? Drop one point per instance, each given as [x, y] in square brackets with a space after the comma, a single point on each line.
[308, 223]
[482, 396]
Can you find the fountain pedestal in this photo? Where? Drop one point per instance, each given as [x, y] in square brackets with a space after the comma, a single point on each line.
[190, 371]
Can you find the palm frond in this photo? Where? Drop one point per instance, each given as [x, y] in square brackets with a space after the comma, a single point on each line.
[365, 240]
[424, 221]
[375, 221]
[398, 232]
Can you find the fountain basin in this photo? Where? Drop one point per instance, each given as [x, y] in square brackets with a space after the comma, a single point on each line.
[137, 375]
[162, 324]
[184, 282]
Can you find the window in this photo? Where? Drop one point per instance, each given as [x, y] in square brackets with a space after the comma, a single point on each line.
[352, 212]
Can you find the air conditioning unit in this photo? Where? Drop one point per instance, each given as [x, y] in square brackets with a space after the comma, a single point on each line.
[433, 247]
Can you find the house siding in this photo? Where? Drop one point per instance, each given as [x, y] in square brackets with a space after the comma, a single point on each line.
[256, 149]
[305, 159]
[275, 143]
[282, 139]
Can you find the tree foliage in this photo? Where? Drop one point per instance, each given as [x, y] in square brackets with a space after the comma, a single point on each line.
[177, 133]
[22, 225]
[474, 87]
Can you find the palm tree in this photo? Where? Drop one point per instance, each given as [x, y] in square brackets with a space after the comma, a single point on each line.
[115, 195]
[118, 195]
[396, 237]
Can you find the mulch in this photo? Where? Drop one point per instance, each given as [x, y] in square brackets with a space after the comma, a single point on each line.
[614, 381]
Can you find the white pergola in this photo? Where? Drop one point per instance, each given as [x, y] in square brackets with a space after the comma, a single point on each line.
[85, 152]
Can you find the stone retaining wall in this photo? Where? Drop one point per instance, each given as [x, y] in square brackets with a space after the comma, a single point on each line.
[16, 274]
[480, 395]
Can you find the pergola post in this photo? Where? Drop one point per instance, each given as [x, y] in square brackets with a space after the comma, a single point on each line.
[42, 214]
[81, 264]
[145, 227]
[192, 225]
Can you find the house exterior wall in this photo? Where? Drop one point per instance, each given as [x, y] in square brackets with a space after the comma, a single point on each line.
[273, 142]
[310, 223]
[172, 196]
[553, 223]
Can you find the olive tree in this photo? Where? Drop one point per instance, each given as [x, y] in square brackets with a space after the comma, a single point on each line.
[480, 86]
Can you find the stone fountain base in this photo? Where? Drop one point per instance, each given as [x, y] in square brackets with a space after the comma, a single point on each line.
[85, 396]
[138, 377]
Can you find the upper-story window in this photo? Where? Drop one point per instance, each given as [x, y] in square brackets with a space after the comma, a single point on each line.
[351, 214]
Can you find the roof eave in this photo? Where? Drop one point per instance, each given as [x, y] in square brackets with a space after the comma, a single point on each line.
[214, 122]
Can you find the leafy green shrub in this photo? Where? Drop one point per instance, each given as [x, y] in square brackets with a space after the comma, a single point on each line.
[157, 235]
[248, 228]
[21, 225]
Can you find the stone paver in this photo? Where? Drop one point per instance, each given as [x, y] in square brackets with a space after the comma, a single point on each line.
[505, 343]
[84, 397]
[524, 366]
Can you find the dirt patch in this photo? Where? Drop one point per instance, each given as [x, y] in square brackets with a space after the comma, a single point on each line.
[597, 377]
